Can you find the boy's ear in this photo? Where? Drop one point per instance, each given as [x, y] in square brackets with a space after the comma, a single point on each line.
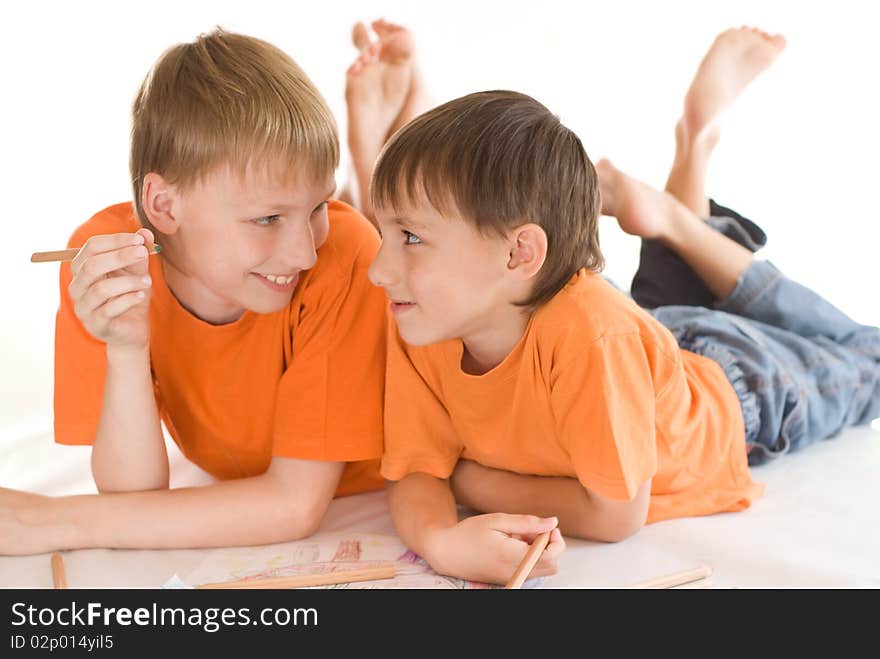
[158, 201]
[528, 250]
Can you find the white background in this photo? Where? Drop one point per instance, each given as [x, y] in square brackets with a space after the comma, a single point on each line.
[798, 152]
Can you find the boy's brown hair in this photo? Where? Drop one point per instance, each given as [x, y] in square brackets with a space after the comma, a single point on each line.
[228, 99]
[501, 159]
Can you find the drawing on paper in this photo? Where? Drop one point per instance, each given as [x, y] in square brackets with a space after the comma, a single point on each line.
[326, 553]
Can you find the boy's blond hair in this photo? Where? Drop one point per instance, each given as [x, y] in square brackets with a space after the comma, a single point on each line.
[228, 99]
[501, 159]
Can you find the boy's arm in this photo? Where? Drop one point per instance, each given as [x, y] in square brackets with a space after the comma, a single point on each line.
[482, 548]
[129, 451]
[421, 506]
[103, 320]
[581, 512]
[285, 503]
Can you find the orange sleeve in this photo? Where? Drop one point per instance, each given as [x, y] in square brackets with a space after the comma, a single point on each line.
[419, 436]
[329, 404]
[80, 368]
[604, 408]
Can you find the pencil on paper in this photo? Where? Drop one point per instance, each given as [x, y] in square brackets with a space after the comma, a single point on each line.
[529, 560]
[677, 579]
[69, 254]
[59, 579]
[306, 580]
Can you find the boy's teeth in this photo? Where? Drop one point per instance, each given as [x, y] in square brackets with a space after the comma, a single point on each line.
[279, 280]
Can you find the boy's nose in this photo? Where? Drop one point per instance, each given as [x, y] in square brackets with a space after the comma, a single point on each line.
[379, 271]
[298, 246]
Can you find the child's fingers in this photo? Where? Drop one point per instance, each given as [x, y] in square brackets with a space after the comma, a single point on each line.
[522, 525]
[105, 289]
[556, 545]
[94, 267]
[549, 562]
[120, 304]
[104, 243]
[530, 537]
[149, 238]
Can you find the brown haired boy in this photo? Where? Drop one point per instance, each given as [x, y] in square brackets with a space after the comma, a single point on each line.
[519, 381]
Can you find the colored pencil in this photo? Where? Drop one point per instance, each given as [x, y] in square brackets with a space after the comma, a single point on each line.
[528, 562]
[306, 580]
[69, 254]
[676, 579]
[59, 579]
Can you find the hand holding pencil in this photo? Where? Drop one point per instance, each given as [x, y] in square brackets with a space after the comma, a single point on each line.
[491, 547]
[110, 287]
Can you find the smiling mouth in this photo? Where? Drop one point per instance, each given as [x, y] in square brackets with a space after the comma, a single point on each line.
[399, 306]
[279, 282]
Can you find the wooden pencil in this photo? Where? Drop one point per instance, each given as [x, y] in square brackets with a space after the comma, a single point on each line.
[306, 580]
[676, 579]
[69, 254]
[528, 562]
[59, 579]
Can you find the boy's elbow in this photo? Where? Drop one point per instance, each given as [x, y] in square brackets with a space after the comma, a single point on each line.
[620, 530]
[303, 520]
[619, 527]
[619, 520]
[109, 481]
[614, 525]
[312, 521]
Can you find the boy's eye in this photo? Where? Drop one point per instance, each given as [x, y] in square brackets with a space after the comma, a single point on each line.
[266, 221]
[410, 238]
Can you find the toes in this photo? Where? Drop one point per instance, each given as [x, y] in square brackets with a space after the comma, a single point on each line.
[778, 41]
[360, 36]
[369, 55]
[371, 52]
[604, 166]
[730, 33]
[382, 26]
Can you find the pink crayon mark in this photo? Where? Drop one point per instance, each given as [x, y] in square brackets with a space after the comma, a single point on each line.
[348, 550]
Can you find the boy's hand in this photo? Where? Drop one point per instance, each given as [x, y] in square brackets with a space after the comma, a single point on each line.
[110, 288]
[490, 547]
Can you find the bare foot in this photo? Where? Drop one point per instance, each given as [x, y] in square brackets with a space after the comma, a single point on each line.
[397, 44]
[643, 211]
[376, 87]
[735, 59]
[640, 209]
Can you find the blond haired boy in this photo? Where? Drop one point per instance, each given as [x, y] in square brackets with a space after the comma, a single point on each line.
[255, 335]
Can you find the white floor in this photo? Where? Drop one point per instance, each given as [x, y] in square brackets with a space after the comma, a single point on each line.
[817, 526]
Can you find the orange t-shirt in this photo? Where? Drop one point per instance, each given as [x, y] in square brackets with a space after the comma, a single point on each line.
[596, 390]
[304, 382]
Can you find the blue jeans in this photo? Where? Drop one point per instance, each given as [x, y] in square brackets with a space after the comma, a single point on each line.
[802, 369]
